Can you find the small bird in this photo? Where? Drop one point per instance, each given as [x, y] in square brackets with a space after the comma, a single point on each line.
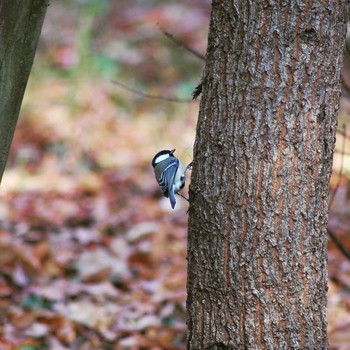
[170, 174]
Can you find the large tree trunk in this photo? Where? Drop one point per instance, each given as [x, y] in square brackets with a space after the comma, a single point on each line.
[21, 22]
[257, 259]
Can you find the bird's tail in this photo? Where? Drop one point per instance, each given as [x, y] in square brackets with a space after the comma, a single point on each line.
[172, 198]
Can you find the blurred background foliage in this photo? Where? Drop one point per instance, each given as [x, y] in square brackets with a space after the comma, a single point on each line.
[91, 255]
[84, 46]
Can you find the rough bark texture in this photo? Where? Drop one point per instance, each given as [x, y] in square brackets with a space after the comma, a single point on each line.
[20, 26]
[257, 259]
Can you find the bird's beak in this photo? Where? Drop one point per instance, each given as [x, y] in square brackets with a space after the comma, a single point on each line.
[172, 151]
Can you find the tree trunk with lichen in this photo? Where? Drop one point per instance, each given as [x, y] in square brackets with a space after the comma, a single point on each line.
[257, 253]
[21, 22]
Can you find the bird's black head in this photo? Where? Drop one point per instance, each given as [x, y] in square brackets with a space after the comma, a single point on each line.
[162, 155]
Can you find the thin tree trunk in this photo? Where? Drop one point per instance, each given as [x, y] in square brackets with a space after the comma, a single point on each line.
[257, 258]
[21, 22]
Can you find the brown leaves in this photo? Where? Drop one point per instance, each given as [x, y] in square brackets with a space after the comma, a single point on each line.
[81, 268]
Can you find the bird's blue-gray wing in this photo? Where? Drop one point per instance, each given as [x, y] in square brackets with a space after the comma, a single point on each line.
[166, 177]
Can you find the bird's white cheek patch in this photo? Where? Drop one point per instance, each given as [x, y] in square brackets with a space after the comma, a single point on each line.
[161, 158]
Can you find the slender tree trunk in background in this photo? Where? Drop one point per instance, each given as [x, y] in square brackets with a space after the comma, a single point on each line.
[21, 22]
[257, 258]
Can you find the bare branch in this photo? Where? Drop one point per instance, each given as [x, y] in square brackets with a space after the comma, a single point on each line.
[338, 243]
[343, 133]
[340, 170]
[342, 152]
[182, 44]
[346, 71]
[181, 195]
[146, 95]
